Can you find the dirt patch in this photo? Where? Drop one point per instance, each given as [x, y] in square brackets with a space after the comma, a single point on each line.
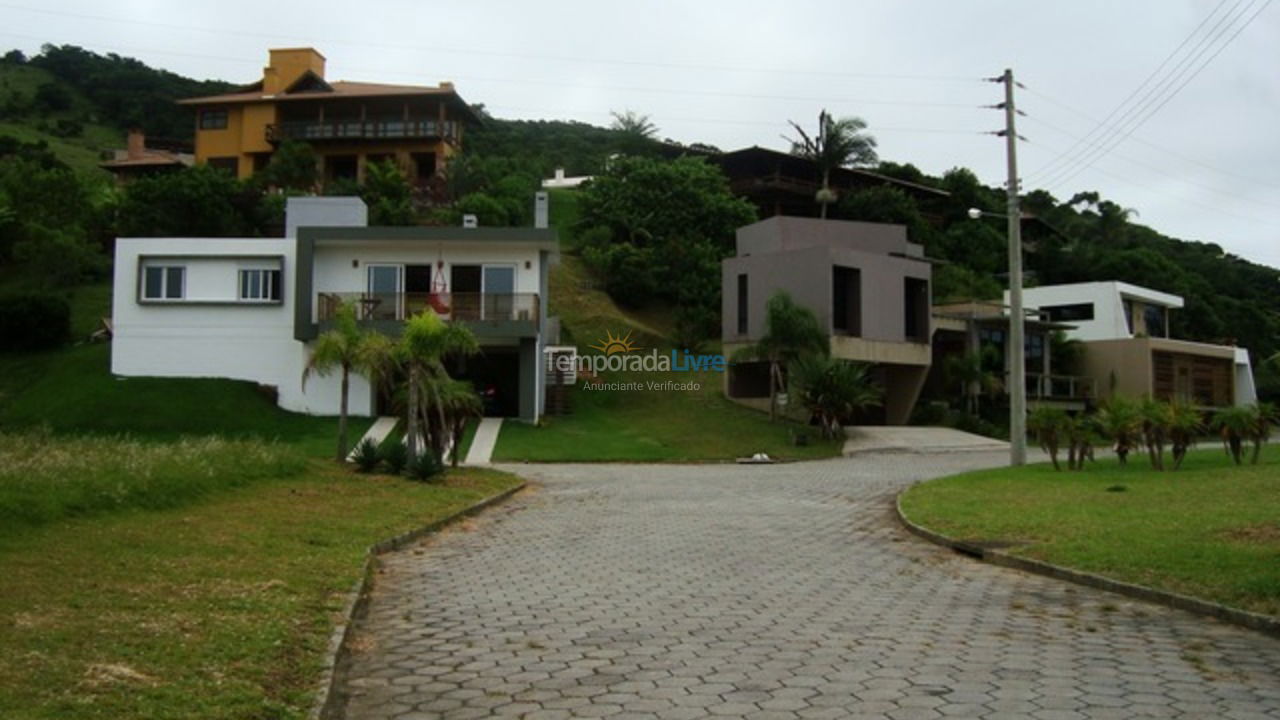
[107, 674]
[1255, 535]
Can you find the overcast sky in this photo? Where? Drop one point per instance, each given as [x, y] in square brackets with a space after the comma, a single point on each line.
[1205, 166]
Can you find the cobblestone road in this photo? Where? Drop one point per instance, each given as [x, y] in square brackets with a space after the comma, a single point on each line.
[783, 591]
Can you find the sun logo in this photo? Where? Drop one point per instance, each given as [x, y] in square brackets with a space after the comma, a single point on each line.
[615, 344]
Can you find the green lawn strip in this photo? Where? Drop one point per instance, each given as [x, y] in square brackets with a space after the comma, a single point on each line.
[656, 426]
[73, 391]
[1211, 529]
[469, 434]
[217, 610]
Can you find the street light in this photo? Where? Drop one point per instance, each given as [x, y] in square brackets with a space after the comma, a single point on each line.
[1017, 327]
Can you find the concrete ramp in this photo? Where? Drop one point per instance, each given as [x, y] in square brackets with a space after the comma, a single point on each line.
[870, 438]
[485, 439]
[377, 432]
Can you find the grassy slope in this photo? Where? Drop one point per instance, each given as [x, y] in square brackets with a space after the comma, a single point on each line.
[646, 425]
[223, 609]
[1210, 529]
[72, 390]
[81, 153]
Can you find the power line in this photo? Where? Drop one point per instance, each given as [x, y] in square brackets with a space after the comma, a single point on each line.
[1169, 96]
[578, 60]
[1158, 95]
[1140, 163]
[1157, 146]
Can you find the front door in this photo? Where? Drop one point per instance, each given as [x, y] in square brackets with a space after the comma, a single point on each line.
[385, 297]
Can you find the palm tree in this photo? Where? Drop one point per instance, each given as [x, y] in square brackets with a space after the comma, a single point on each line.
[1156, 419]
[1264, 416]
[426, 342]
[460, 403]
[1120, 420]
[838, 143]
[791, 331]
[833, 390]
[1235, 424]
[1049, 425]
[974, 373]
[1184, 426]
[347, 349]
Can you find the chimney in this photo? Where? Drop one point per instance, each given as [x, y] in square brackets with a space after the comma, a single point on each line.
[136, 144]
[540, 215]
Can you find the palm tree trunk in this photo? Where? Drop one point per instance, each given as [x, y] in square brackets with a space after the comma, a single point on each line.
[773, 390]
[826, 178]
[342, 414]
[411, 429]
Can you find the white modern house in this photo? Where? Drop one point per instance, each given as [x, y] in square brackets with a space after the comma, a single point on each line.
[248, 308]
[1125, 330]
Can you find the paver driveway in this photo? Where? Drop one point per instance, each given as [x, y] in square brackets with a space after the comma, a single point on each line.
[783, 591]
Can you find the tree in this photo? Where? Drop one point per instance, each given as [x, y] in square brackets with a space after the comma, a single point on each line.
[198, 201]
[833, 390]
[1184, 427]
[1048, 424]
[1156, 419]
[1235, 425]
[1120, 421]
[460, 403]
[345, 348]
[426, 342]
[838, 143]
[636, 132]
[292, 167]
[387, 193]
[1264, 416]
[976, 373]
[791, 332]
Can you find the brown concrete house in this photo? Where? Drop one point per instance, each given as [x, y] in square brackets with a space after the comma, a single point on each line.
[868, 286]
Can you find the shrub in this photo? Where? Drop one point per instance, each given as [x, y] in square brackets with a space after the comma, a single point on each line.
[31, 321]
[396, 456]
[367, 456]
[425, 468]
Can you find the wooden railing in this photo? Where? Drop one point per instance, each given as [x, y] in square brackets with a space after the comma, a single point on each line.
[361, 129]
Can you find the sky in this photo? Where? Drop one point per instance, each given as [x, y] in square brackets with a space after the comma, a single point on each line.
[1167, 107]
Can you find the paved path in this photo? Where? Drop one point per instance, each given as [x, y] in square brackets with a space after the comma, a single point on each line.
[483, 442]
[784, 591]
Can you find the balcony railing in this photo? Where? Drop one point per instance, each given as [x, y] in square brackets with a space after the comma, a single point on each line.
[470, 308]
[362, 130]
[1060, 387]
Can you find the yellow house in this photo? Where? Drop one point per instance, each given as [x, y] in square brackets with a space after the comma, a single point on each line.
[349, 124]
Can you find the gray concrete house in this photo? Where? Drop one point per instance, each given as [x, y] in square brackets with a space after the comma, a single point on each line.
[868, 286]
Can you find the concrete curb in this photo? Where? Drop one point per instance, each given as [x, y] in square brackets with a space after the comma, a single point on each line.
[1266, 624]
[326, 702]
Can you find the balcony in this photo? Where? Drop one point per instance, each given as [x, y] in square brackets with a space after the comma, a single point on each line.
[1060, 387]
[487, 314]
[363, 130]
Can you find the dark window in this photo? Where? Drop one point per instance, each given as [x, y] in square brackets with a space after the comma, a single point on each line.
[846, 300]
[1068, 313]
[1128, 316]
[341, 167]
[915, 309]
[1153, 318]
[425, 165]
[163, 283]
[225, 164]
[260, 285]
[213, 119]
[742, 304]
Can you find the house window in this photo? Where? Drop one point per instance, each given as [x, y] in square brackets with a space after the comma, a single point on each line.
[213, 119]
[1068, 313]
[1153, 316]
[742, 304]
[226, 164]
[1128, 316]
[915, 309]
[259, 285]
[846, 300]
[164, 282]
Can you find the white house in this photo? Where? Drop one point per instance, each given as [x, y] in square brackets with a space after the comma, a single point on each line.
[1125, 329]
[248, 308]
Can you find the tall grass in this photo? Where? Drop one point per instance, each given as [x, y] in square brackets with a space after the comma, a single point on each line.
[45, 477]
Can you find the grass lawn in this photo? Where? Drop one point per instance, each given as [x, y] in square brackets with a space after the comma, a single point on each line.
[1211, 529]
[221, 609]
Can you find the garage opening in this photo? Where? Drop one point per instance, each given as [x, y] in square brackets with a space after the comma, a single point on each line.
[495, 374]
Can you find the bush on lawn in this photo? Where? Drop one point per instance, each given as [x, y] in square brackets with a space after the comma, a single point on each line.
[396, 456]
[33, 321]
[367, 456]
[425, 468]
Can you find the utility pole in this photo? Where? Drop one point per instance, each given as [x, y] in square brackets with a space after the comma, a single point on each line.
[1017, 321]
